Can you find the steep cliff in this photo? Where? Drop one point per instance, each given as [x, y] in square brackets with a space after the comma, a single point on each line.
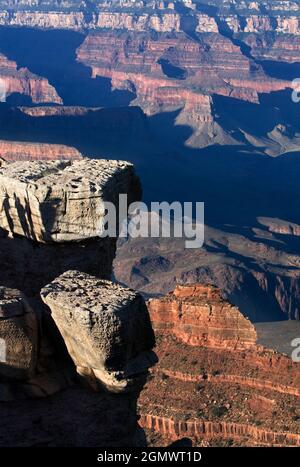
[12, 151]
[213, 384]
[41, 365]
[160, 16]
[22, 81]
[172, 71]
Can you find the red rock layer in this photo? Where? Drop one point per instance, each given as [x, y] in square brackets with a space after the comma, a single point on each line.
[211, 65]
[16, 151]
[197, 315]
[282, 48]
[213, 383]
[212, 430]
[24, 82]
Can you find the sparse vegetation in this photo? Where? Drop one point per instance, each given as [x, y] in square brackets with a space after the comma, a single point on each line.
[218, 411]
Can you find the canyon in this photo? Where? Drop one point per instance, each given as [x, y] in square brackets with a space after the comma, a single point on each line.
[184, 88]
[214, 385]
[77, 348]
[198, 97]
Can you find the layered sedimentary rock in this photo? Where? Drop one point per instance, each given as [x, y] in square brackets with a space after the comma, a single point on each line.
[21, 81]
[277, 48]
[62, 201]
[251, 268]
[199, 316]
[177, 70]
[106, 329]
[12, 151]
[238, 393]
[156, 15]
[183, 73]
[18, 335]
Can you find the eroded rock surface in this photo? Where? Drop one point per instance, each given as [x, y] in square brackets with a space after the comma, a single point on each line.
[59, 201]
[18, 335]
[233, 394]
[106, 328]
[198, 315]
[12, 151]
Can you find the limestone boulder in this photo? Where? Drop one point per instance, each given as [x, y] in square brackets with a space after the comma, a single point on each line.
[106, 328]
[61, 201]
[18, 336]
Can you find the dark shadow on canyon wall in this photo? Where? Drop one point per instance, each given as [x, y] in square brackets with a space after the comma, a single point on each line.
[237, 183]
[281, 70]
[52, 54]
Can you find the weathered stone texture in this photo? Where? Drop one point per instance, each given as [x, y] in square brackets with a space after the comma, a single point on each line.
[198, 315]
[18, 335]
[106, 328]
[60, 201]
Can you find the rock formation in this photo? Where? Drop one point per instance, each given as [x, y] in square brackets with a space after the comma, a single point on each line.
[109, 339]
[12, 151]
[104, 328]
[52, 213]
[213, 384]
[177, 70]
[198, 315]
[161, 16]
[62, 201]
[18, 335]
[21, 81]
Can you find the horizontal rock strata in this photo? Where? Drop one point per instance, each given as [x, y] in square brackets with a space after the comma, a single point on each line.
[198, 315]
[12, 151]
[213, 384]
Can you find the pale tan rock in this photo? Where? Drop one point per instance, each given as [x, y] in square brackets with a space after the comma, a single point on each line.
[60, 201]
[18, 335]
[106, 328]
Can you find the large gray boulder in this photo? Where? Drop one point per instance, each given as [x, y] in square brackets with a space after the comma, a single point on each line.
[106, 328]
[62, 201]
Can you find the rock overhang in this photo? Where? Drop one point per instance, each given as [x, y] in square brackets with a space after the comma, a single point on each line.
[61, 201]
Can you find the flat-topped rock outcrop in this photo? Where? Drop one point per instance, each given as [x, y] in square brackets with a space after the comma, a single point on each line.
[61, 201]
[198, 315]
[105, 326]
[213, 383]
[12, 151]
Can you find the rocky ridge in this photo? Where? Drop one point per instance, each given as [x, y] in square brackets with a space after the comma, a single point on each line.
[230, 394]
[161, 16]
